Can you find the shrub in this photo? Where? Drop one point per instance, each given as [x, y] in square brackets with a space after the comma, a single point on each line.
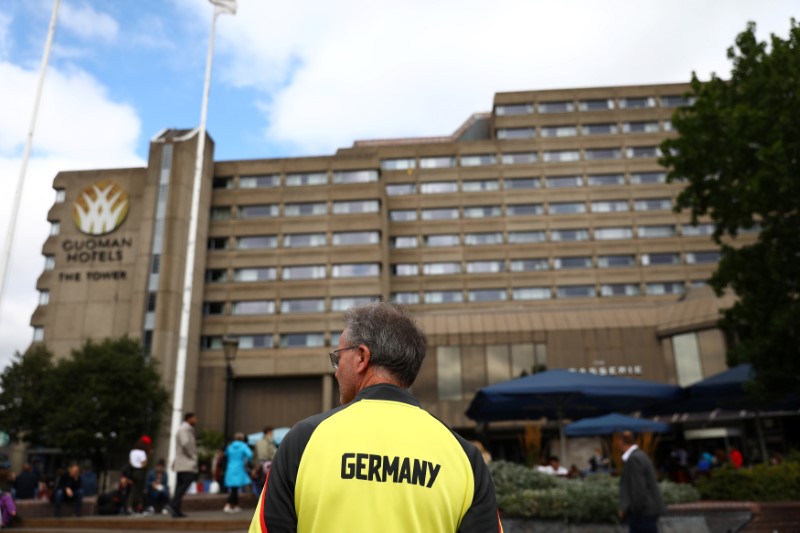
[762, 483]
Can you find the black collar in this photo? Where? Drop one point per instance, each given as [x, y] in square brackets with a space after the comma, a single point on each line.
[386, 391]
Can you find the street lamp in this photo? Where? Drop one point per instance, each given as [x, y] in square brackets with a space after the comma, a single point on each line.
[230, 345]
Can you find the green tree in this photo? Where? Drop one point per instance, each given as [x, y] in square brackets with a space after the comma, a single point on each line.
[24, 400]
[738, 151]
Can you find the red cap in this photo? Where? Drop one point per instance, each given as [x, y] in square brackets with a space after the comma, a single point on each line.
[145, 439]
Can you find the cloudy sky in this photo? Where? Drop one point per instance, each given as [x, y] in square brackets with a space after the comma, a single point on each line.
[304, 78]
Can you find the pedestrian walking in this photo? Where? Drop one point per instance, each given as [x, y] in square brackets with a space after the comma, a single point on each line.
[185, 464]
[640, 498]
[137, 463]
[238, 455]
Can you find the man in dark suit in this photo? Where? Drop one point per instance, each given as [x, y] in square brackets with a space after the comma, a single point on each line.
[640, 499]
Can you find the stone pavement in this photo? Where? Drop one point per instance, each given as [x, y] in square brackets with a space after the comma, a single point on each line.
[199, 521]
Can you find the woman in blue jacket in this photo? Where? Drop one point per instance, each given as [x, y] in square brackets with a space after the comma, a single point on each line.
[237, 455]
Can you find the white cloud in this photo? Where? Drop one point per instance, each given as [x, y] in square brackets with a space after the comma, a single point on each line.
[83, 21]
[79, 127]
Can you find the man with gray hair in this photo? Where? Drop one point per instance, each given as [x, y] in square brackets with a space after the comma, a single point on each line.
[379, 462]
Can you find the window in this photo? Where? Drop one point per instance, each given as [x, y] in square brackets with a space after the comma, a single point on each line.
[346, 302]
[637, 102]
[405, 269]
[616, 261]
[440, 214]
[676, 101]
[49, 262]
[398, 164]
[525, 237]
[401, 215]
[611, 234]
[355, 176]
[302, 340]
[522, 183]
[55, 228]
[563, 182]
[304, 240]
[401, 189]
[253, 342]
[482, 211]
[640, 127]
[610, 206]
[448, 372]
[356, 206]
[222, 183]
[405, 298]
[604, 180]
[561, 156]
[437, 162]
[439, 187]
[217, 243]
[438, 269]
[519, 158]
[514, 109]
[559, 131]
[480, 239]
[213, 308]
[255, 274]
[694, 258]
[254, 307]
[487, 295]
[305, 209]
[569, 235]
[259, 182]
[698, 230]
[256, 242]
[303, 305]
[305, 179]
[644, 178]
[567, 208]
[531, 293]
[350, 238]
[524, 210]
[222, 212]
[619, 289]
[667, 125]
[61, 195]
[255, 211]
[443, 297]
[303, 272]
[571, 263]
[357, 270]
[516, 133]
[656, 231]
[403, 241]
[480, 185]
[442, 240]
[603, 104]
[478, 160]
[652, 204]
[594, 154]
[216, 275]
[634, 152]
[687, 359]
[576, 291]
[38, 333]
[484, 267]
[529, 265]
[599, 129]
[665, 287]
[556, 107]
[44, 297]
[661, 259]
[211, 342]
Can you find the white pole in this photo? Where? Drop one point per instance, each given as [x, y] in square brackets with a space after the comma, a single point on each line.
[191, 244]
[4, 265]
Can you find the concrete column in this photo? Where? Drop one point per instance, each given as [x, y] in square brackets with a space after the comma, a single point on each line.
[327, 392]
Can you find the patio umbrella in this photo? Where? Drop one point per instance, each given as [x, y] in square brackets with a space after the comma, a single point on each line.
[613, 423]
[562, 394]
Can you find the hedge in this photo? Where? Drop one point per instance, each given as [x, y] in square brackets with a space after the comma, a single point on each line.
[761, 483]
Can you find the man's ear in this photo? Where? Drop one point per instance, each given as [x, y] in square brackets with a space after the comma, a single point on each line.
[364, 357]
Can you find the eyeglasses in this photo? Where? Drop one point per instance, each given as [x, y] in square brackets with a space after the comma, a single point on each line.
[335, 355]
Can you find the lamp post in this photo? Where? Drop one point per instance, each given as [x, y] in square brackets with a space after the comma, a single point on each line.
[230, 345]
[220, 7]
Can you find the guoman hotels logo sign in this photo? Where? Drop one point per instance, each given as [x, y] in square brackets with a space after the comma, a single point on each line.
[101, 208]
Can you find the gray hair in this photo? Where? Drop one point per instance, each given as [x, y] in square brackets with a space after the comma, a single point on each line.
[395, 342]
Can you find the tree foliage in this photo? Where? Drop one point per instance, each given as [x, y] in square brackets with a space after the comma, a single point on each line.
[96, 402]
[738, 151]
